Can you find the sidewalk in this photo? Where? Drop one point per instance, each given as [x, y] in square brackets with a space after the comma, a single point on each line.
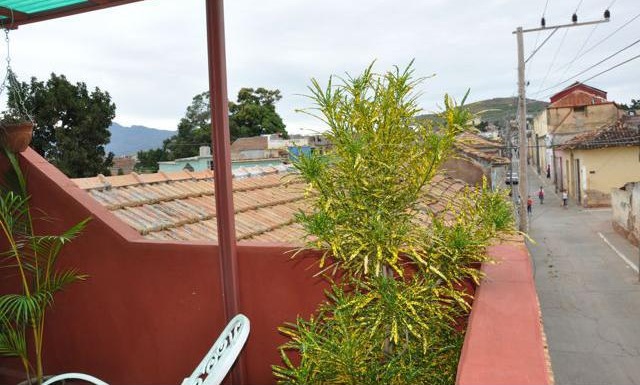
[589, 295]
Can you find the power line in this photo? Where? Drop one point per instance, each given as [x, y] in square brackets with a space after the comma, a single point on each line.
[603, 40]
[578, 7]
[555, 56]
[610, 68]
[591, 67]
[535, 46]
[579, 51]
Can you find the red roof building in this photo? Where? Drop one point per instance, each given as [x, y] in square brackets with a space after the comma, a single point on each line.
[578, 94]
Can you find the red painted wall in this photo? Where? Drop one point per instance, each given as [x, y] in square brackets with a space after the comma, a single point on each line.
[151, 309]
[504, 343]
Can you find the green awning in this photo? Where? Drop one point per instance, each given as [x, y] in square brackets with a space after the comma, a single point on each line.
[34, 6]
[14, 13]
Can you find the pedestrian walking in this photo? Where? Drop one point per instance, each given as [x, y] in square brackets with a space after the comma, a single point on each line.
[565, 198]
[529, 204]
[548, 171]
[541, 195]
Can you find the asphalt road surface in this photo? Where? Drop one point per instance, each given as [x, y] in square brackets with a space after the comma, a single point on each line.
[589, 294]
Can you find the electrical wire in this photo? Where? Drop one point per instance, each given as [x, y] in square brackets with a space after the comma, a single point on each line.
[606, 38]
[608, 69]
[535, 46]
[578, 7]
[553, 61]
[555, 56]
[611, 68]
[591, 67]
[584, 44]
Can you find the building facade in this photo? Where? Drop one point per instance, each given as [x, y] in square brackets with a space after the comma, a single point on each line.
[573, 111]
[594, 163]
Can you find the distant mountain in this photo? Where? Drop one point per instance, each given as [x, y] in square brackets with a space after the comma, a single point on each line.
[497, 110]
[130, 140]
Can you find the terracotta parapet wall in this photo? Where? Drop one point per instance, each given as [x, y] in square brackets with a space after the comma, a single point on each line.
[505, 342]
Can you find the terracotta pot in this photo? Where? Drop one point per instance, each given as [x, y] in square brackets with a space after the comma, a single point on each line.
[16, 136]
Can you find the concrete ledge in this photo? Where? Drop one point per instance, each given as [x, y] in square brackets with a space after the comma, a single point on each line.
[505, 342]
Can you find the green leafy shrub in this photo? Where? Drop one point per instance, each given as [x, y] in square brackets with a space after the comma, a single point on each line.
[482, 215]
[391, 318]
[369, 184]
[344, 343]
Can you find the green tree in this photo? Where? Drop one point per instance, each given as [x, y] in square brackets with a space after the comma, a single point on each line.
[194, 130]
[148, 160]
[254, 113]
[71, 123]
[634, 105]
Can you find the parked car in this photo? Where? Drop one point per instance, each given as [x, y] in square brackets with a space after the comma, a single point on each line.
[512, 178]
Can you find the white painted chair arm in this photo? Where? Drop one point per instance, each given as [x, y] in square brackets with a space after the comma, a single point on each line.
[74, 376]
[217, 362]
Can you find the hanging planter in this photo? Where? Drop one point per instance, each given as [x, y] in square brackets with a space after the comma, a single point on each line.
[16, 125]
[16, 135]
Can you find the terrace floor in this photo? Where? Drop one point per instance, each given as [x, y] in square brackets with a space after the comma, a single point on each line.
[589, 296]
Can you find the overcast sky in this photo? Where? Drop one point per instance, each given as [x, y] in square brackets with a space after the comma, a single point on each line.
[151, 56]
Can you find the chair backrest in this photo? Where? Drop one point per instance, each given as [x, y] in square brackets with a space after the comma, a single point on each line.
[217, 362]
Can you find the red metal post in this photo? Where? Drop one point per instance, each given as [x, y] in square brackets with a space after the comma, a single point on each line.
[220, 139]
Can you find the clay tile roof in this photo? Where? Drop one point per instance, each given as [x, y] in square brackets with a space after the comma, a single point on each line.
[181, 205]
[624, 133]
[477, 141]
[252, 143]
[479, 148]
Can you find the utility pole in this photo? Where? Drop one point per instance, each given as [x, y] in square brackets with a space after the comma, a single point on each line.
[523, 186]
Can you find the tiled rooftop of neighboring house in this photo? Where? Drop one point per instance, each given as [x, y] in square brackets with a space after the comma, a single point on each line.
[181, 205]
[480, 148]
[251, 143]
[626, 132]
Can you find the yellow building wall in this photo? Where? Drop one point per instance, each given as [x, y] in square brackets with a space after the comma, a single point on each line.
[538, 148]
[601, 170]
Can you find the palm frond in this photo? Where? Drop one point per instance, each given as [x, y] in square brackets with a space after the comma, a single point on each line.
[12, 340]
[23, 309]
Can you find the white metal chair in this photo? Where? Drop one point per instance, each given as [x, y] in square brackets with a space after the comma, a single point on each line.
[217, 362]
[74, 376]
[213, 368]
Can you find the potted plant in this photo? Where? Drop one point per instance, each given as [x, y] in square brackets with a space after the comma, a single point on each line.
[16, 130]
[30, 260]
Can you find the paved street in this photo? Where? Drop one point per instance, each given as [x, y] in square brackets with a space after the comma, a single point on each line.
[590, 297]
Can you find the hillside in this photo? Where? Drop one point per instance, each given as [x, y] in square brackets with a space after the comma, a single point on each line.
[504, 108]
[130, 140]
[497, 110]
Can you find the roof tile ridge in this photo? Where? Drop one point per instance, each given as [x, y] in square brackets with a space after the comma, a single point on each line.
[257, 187]
[176, 225]
[137, 177]
[274, 203]
[165, 176]
[266, 229]
[105, 182]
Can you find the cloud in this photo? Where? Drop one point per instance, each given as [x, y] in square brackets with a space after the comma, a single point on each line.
[151, 55]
